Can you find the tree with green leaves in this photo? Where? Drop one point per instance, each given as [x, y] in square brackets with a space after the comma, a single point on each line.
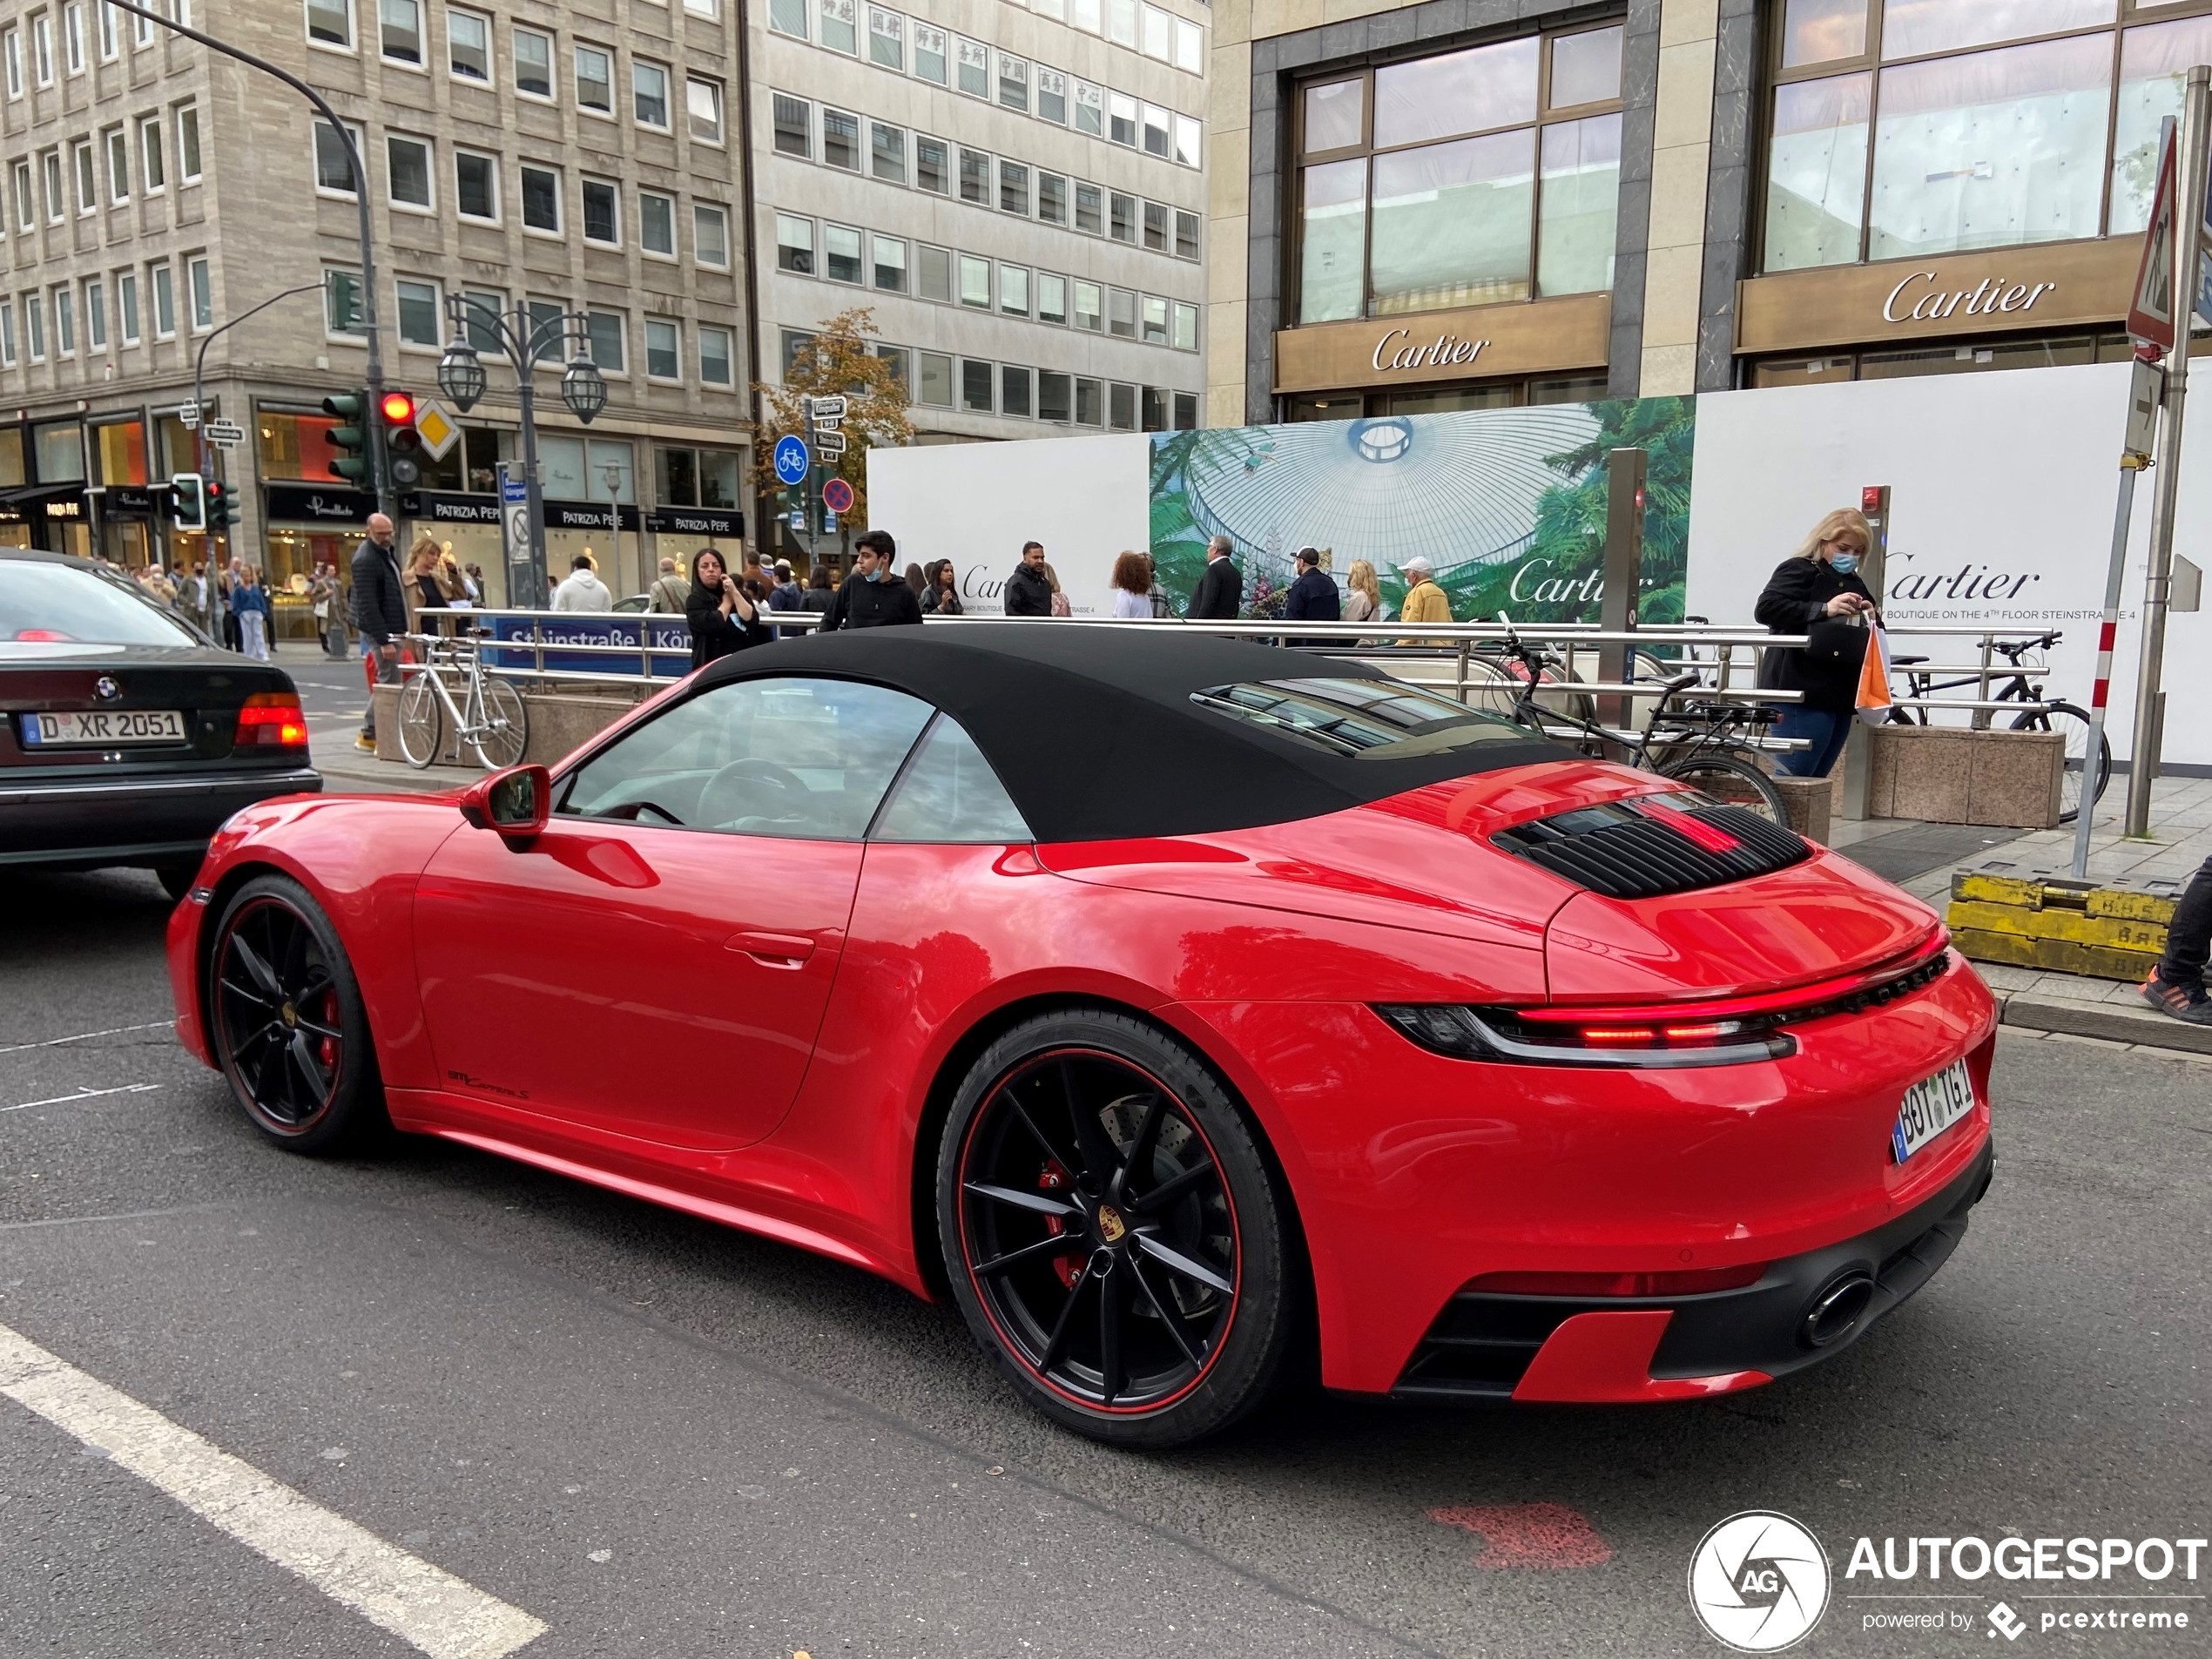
[839, 360]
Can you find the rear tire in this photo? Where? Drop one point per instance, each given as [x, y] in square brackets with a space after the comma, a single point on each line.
[421, 721]
[1113, 1233]
[2074, 722]
[1733, 782]
[508, 716]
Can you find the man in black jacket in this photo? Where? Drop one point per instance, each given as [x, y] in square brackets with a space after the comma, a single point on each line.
[1028, 590]
[874, 595]
[380, 612]
[1313, 597]
[1222, 589]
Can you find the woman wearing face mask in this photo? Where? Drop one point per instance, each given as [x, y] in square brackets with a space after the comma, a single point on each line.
[723, 618]
[1817, 591]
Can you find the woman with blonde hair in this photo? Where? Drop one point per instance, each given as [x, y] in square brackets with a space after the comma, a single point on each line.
[426, 587]
[1818, 592]
[1133, 586]
[1362, 593]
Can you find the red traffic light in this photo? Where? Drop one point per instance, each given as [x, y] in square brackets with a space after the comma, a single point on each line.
[399, 407]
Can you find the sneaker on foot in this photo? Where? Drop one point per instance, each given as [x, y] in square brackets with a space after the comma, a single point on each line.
[2182, 999]
[366, 744]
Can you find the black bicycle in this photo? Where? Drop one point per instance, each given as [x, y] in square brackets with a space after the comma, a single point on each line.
[1704, 743]
[2022, 684]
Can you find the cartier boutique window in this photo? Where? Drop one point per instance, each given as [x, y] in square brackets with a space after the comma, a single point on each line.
[1908, 128]
[1487, 174]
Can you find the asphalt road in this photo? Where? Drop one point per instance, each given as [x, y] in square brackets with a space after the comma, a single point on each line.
[663, 1437]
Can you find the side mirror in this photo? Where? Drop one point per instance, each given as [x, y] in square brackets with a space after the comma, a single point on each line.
[514, 802]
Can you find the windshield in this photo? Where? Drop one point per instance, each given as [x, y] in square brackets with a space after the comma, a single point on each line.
[1381, 719]
[70, 604]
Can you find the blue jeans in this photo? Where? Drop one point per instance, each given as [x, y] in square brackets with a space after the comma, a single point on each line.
[1824, 733]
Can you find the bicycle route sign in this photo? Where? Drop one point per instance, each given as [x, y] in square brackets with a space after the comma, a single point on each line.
[790, 459]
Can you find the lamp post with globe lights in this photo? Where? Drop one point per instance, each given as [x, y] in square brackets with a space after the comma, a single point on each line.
[524, 339]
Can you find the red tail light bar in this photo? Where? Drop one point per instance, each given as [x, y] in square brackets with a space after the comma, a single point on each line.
[272, 719]
[1690, 1281]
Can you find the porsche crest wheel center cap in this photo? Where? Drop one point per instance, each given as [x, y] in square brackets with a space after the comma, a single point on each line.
[290, 1015]
[1110, 1224]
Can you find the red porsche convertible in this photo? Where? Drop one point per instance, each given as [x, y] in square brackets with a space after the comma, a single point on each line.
[1176, 1006]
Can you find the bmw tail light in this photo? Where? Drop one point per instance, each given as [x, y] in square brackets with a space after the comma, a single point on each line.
[272, 719]
[1689, 1281]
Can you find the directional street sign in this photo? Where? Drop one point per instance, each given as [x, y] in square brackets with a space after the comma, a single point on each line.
[188, 416]
[790, 459]
[830, 443]
[837, 496]
[827, 411]
[226, 434]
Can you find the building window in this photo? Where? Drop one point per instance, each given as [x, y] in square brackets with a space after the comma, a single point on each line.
[1014, 83]
[419, 313]
[1014, 290]
[408, 171]
[1014, 188]
[88, 187]
[1186, 141]
[73, 37]
[1155, 408]
[794, 126]
[888, 151]
[188, 143]
[703, 100]
[26, 209]
[1158, 34]
[1014, 391]
[165, 303]
[1052, 199]
[934, 380]
[976, 391]
[11, 48]
[975, 69]
[595, 80]
[1120, 21]
[541, 199]
[663, 350]
[8, 332]
[1465, 178]
[711, 236]
[119, 167]
[400, 29]
[1189, 47]
[934, 274]
[34, 326]
[469, 45]
[1090, 109]
[151, 170]
[42, 49]
[975, 177]
[95, 317]
[840, 32]
[1186, 326]
[794, 244]
[1186, 235]
[1052, 95]
[841, 140]
[890, 260]
[788, 18]
[602, 335]
[476, 181]
[1056, 397]
[1123, 217]
[896, 357]
[549, 330]
[1089, 307]
[1156, 227]
[1121, 313]
[342, 301]
[65, 324]
[1155, 313]
[974, 282]
[886, 38]
[126, 305]
[1186, 411]
[933, 166]
[657, 223]
[602, 212]
[478, 305]
[110, 33]
[1121, 120]
[333, 166]
[840, 253]
[1156, 130]
[1091, 402]
[1052, 297]
[533, 63]
[717, 358]
[648, 96]
[929, 53]
[56, 208]
[796, 348]
[1090, 215]
[330, 23]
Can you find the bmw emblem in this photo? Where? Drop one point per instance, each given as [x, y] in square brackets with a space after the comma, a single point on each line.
[106, 689]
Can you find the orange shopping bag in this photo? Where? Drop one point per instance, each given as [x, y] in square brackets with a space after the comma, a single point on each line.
[1874, 678]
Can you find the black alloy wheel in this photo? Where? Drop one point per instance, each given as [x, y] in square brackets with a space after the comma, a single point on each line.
[1112, 1232]
[287, 1021]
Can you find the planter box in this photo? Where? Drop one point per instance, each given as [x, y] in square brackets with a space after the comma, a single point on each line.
[558, 724]
[1956, 775]
[1811, 802]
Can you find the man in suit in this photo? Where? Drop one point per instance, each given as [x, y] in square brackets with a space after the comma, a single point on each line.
[380, 612]
[1222, 589]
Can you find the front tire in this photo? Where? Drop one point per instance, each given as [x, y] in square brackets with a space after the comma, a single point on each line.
[1112, 1232]
[507, 726]
[421, 721]
[288, 1026]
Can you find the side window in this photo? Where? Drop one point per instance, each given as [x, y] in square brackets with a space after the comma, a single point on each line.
[950, 794]
[802, 759]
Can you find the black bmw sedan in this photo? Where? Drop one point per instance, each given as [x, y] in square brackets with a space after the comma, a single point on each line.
[126, 736]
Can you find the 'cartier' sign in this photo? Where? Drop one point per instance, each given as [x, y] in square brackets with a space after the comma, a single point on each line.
[1920, 298]
[1446, 351]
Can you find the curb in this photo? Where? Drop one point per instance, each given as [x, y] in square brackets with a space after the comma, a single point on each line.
[2140, 1027]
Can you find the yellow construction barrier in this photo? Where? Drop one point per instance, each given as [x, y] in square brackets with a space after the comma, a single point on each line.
[2110, 930]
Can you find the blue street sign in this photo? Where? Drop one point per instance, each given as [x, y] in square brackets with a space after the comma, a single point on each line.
[514, 490]
[829, 523]
[790, 459]
[799, 520]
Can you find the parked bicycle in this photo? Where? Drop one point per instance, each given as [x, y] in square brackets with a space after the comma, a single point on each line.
[488, 715]
[1705, 743]
[2023, 684]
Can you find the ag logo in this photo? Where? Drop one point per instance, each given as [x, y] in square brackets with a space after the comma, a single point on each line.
[1758, 1582]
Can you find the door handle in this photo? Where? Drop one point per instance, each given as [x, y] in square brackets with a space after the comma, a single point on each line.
[773, 950]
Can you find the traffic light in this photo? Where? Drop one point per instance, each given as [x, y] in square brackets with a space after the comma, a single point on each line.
[402, 443]
[219, 508]
[348, 440]
[187, 502]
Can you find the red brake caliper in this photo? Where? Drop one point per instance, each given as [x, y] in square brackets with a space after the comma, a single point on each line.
[1054, 1179]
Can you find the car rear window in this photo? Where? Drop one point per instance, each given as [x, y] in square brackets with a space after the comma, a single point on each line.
[1362, 719]
[68, 605]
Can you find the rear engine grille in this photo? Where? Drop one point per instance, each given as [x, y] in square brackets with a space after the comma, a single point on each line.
[1651, 845]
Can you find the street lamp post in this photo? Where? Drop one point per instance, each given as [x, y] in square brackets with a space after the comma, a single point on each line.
[523, 339]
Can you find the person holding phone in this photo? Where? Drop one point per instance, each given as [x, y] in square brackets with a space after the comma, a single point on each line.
[722, 620]
[1817, 592]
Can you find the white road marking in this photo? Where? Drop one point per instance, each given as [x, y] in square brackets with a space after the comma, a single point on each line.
[86, 1036]
[445, 1616]
[82, 1093]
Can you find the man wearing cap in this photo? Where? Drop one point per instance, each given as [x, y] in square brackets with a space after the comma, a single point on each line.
[784, 595]
[1313, 597]
[1424, 601]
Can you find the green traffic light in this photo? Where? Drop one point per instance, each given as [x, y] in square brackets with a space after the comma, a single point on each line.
[349, 439]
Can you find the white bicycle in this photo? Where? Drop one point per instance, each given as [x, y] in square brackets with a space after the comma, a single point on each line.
[488, 715]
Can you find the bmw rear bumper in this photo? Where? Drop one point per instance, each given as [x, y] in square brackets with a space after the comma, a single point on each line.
[84, 824]
[1486, 1347]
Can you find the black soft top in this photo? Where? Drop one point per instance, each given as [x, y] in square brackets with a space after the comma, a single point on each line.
[1093, 732]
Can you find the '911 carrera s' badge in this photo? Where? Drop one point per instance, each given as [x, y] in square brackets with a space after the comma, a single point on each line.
[1110, 1223]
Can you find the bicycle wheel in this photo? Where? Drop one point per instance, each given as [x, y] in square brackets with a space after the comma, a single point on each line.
[1732, 782]
[2074, 722]
[421, 721]
[499, 742]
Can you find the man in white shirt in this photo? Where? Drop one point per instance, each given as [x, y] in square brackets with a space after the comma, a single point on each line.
[582, 590]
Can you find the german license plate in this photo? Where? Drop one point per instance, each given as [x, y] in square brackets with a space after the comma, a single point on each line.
[98, 728]
[1932, 1106]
